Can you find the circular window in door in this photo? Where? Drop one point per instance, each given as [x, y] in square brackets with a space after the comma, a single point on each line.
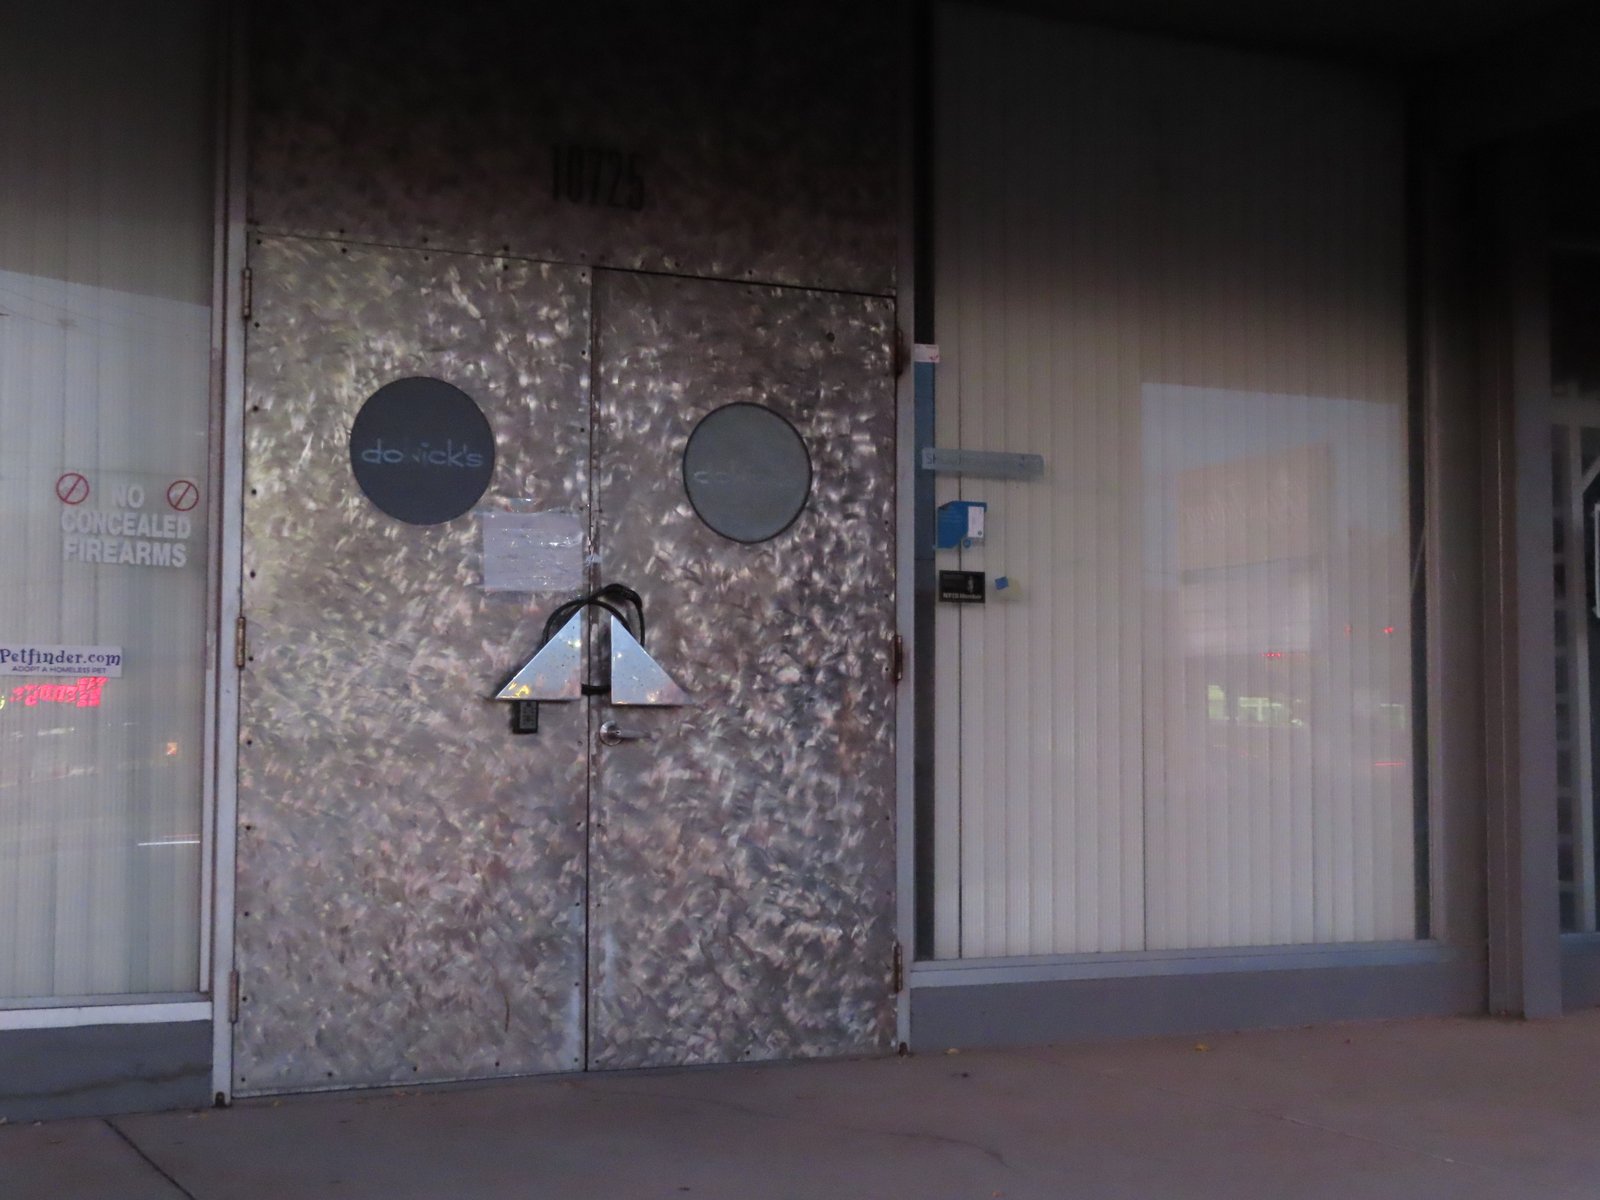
[747, 472]
[422, 450]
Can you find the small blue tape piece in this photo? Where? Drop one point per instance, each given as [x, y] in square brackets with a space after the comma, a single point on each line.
[1001, 583]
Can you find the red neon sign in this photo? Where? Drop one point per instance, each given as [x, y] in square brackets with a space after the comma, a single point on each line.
[83, 692]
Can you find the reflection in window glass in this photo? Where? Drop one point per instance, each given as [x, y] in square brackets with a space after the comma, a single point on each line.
[1275, 534]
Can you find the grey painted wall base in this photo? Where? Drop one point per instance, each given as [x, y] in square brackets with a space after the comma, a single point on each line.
[1014, 1014]
[98, 1070]
[1580, 973]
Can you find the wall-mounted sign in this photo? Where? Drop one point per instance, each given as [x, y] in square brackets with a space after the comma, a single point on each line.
[747, 472]
[422, 450]
[961, 587]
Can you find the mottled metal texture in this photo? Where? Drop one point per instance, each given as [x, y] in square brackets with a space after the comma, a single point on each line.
[765, 133]
[742, 863]
[410, 875]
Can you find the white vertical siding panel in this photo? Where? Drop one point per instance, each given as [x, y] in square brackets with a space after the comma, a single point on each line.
[1289, 546]
[1046, 578]
[982, 874]
[1403, 749]
[1089, 800]
[965, 371]
[1032, 543]
[1350, 572]
[1296, 375]
[1331, 654]
[1399, 866]
[1040, 577]
[1012, 427]
[1390, 549]
[1364, 581]
[1360, 886]
[1379, 551]
[984, 709]
[1134, 182]
[1261, 610]
[955, 112]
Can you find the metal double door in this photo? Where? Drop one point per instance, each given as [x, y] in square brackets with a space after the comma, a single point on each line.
[420, 894]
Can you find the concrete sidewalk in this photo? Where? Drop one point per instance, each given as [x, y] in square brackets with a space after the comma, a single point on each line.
[1448, 1108]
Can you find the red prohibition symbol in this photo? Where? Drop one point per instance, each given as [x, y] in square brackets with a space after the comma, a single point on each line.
[183, 495]
[72, 488]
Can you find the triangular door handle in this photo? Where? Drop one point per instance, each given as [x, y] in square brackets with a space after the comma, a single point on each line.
[556, 671]
[636, 678]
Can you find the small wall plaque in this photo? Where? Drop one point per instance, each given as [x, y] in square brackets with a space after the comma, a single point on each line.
[961, 587]
[982, 464]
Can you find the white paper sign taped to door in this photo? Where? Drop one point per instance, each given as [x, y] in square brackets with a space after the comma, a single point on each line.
[532, 552]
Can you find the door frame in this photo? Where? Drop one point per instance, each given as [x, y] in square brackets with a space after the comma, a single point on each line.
[912, 119]
[1524, 930]
[231, 320]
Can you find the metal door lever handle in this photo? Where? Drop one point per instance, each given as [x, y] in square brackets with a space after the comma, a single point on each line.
[611, 734]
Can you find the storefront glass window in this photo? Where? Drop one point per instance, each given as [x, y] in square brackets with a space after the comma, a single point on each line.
[105, 281]
[1178, 273]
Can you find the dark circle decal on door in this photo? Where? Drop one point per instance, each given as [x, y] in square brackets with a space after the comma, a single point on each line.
[747, 472]
[422, 450]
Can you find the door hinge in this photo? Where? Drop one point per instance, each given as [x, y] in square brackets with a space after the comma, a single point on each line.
[898, 972]
[898, 356]
[897, 658]
[233, 996]
[238, 643]
[247, 297]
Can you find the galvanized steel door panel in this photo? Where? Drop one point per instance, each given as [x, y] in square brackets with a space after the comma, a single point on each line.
[742, 862]
[410, 877]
